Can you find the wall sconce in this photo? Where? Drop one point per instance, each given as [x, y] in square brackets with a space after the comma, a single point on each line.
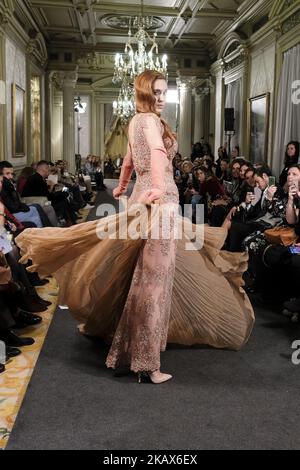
[2, 92]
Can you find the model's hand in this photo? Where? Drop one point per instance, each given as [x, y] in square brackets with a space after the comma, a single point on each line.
[150, 196]
[155, 194]
[117, 192]
[2, 208]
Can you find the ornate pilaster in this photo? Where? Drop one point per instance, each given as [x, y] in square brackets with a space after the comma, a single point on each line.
[201, 115]
[66, 81]
[185, 116]
[3, 127]
[217, 71]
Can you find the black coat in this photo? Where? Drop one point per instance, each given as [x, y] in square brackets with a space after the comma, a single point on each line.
[11, 198]
[36, 186]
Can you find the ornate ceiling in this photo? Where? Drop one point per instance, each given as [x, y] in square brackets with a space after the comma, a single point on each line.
[191, 32]
[103, 24]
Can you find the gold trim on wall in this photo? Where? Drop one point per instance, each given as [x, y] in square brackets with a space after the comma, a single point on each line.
[18, 112]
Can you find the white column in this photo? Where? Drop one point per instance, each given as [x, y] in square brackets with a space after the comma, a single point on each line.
[57, 125]
[217, 71]
[198, 131]
[3, 128]
[185, 118]
[101, 131]
[199, 118]
[48, 116]
[69, 83]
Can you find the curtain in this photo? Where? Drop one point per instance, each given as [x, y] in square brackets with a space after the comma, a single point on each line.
[233, 100]
[288, 113]
[116, 140]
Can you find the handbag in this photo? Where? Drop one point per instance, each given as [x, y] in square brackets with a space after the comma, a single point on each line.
[285, 236]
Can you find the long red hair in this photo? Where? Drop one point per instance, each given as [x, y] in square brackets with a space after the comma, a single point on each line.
[145, 99]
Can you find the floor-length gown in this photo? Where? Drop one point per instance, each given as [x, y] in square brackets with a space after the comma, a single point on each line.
[139, 294]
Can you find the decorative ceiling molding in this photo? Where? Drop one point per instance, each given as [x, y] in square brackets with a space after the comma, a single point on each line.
[281, 5]
[228, 44]
[6, 11]
[122, 22]
[37, 47]
[291, 22]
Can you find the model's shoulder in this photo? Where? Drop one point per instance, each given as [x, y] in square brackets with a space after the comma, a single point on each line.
[146, 116]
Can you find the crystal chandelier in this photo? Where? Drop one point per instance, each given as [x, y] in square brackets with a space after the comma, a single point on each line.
[124, 106]
[132, 63]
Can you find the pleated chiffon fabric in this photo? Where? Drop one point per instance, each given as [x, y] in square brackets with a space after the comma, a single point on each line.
[208, 302]
[140, 293]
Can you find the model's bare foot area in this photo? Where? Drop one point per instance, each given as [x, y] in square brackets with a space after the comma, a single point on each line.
[81, 328]
[158, 377]
[155, 377]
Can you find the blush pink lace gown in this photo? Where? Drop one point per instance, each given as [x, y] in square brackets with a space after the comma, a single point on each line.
[139, 294]
[143, 328]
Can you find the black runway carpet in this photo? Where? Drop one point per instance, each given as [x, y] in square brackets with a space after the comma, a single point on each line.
[217, 399]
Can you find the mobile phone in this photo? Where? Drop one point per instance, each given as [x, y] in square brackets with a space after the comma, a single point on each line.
[228, 186]
[295, 250]
[272, 180]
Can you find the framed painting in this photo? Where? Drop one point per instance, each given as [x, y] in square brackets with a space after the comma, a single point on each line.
[18, 121]
[259, 127]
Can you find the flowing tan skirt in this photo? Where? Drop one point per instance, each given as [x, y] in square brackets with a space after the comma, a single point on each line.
[208, 302]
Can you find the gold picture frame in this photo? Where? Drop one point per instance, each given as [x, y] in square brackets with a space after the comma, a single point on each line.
[259, 108]
[18, 121]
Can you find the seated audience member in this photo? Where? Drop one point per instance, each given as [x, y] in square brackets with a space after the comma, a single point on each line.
[66, 179]
[222, 156]
[36, 185]
[235, 153]
[234, 178]
[247, 184]
[197, 151]
[210, 189]
[291, 158]
[12, 201]
[279, 278]
[23, 177]
[265, 213]
[109, 169]
[99, 178]
[223, 171]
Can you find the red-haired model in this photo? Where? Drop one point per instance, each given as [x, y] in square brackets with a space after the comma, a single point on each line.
[139, 294]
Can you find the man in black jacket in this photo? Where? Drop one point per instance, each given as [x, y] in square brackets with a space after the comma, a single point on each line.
[11, 199]
[36, 185]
